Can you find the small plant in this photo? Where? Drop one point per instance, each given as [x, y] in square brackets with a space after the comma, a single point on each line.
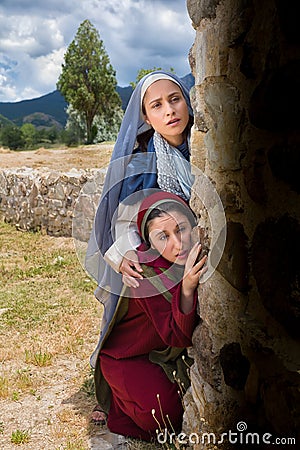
[15, 396]
[39, 358]
[88, 386]
[19, 437]
[23, 379]
[74, 446]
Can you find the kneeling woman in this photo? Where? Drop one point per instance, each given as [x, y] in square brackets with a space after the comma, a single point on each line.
[138, 365]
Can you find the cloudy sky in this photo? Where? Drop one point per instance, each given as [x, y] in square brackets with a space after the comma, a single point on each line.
[34, 36]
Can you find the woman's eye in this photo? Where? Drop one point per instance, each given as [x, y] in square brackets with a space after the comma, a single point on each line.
[156, 105]
[175, 99]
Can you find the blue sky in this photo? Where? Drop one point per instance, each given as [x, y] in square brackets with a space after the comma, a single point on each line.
[34, 36]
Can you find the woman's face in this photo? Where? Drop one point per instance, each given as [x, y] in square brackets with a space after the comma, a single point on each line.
[166, 110]
[170, 235]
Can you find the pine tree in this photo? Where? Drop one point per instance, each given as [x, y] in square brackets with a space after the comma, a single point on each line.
[88, 80]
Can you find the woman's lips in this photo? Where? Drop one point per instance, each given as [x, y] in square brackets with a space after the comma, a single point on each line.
[182, 255]
[173, 122]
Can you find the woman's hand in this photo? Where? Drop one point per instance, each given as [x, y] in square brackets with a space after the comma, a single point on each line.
[192, 274]
[131, 269]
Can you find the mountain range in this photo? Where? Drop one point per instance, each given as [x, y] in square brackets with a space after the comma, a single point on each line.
[50, 109]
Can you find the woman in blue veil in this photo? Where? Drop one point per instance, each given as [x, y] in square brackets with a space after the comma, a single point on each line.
[142, 160]
[143, 175]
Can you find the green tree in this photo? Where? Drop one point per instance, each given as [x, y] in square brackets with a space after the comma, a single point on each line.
[107, 128]
[29, 134]
[52, 134]
[142, 72]
[11, 137]
[75, 130]
[88, 80]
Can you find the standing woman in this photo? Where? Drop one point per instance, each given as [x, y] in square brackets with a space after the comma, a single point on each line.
[152, 151]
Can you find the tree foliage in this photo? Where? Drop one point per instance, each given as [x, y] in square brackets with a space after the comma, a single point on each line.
[142, 72]
[30, 135]
[88, 80]
[105, 127]
[12, 137]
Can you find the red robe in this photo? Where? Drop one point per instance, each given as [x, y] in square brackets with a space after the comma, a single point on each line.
[139, 386]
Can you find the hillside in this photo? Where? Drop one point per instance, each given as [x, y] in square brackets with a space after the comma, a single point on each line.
[52, 106]
[4, 121]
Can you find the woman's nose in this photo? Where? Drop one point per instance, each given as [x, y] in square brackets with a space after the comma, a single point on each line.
[169, 109]
[176, 241]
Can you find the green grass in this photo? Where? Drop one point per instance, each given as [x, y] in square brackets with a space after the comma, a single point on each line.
[40, 358]
[38, 282]
[19, 437]
[47, 306]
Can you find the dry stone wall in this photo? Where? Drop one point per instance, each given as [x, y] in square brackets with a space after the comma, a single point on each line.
[47, 200]
[246, 63]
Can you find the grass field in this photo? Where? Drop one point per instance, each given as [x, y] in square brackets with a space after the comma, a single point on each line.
[49, 322]
[49, 326]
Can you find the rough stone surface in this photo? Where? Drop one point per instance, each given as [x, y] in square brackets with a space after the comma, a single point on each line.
[245, 60]
[49, 200]
[206, 357]
[200, 9]
[235, 365]
[234, 263]
[231, 197]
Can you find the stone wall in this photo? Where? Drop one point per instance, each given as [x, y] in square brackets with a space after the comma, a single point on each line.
[48, 200]
[246, 63]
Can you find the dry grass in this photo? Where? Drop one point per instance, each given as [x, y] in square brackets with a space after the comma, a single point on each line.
[49, 323]
[84, 157]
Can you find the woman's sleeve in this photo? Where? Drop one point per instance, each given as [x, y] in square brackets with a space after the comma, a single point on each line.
[126, 235]
[174, 327]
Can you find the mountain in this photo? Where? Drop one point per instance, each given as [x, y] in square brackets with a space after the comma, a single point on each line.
[52, 104]
[125, 94]
[4, 122]
[50, 109]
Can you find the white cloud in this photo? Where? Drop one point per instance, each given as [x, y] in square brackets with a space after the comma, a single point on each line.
[136, 34]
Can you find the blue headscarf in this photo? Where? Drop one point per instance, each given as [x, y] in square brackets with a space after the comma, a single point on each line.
[132, 125]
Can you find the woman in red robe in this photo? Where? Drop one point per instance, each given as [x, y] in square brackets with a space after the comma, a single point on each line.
[139, 362]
